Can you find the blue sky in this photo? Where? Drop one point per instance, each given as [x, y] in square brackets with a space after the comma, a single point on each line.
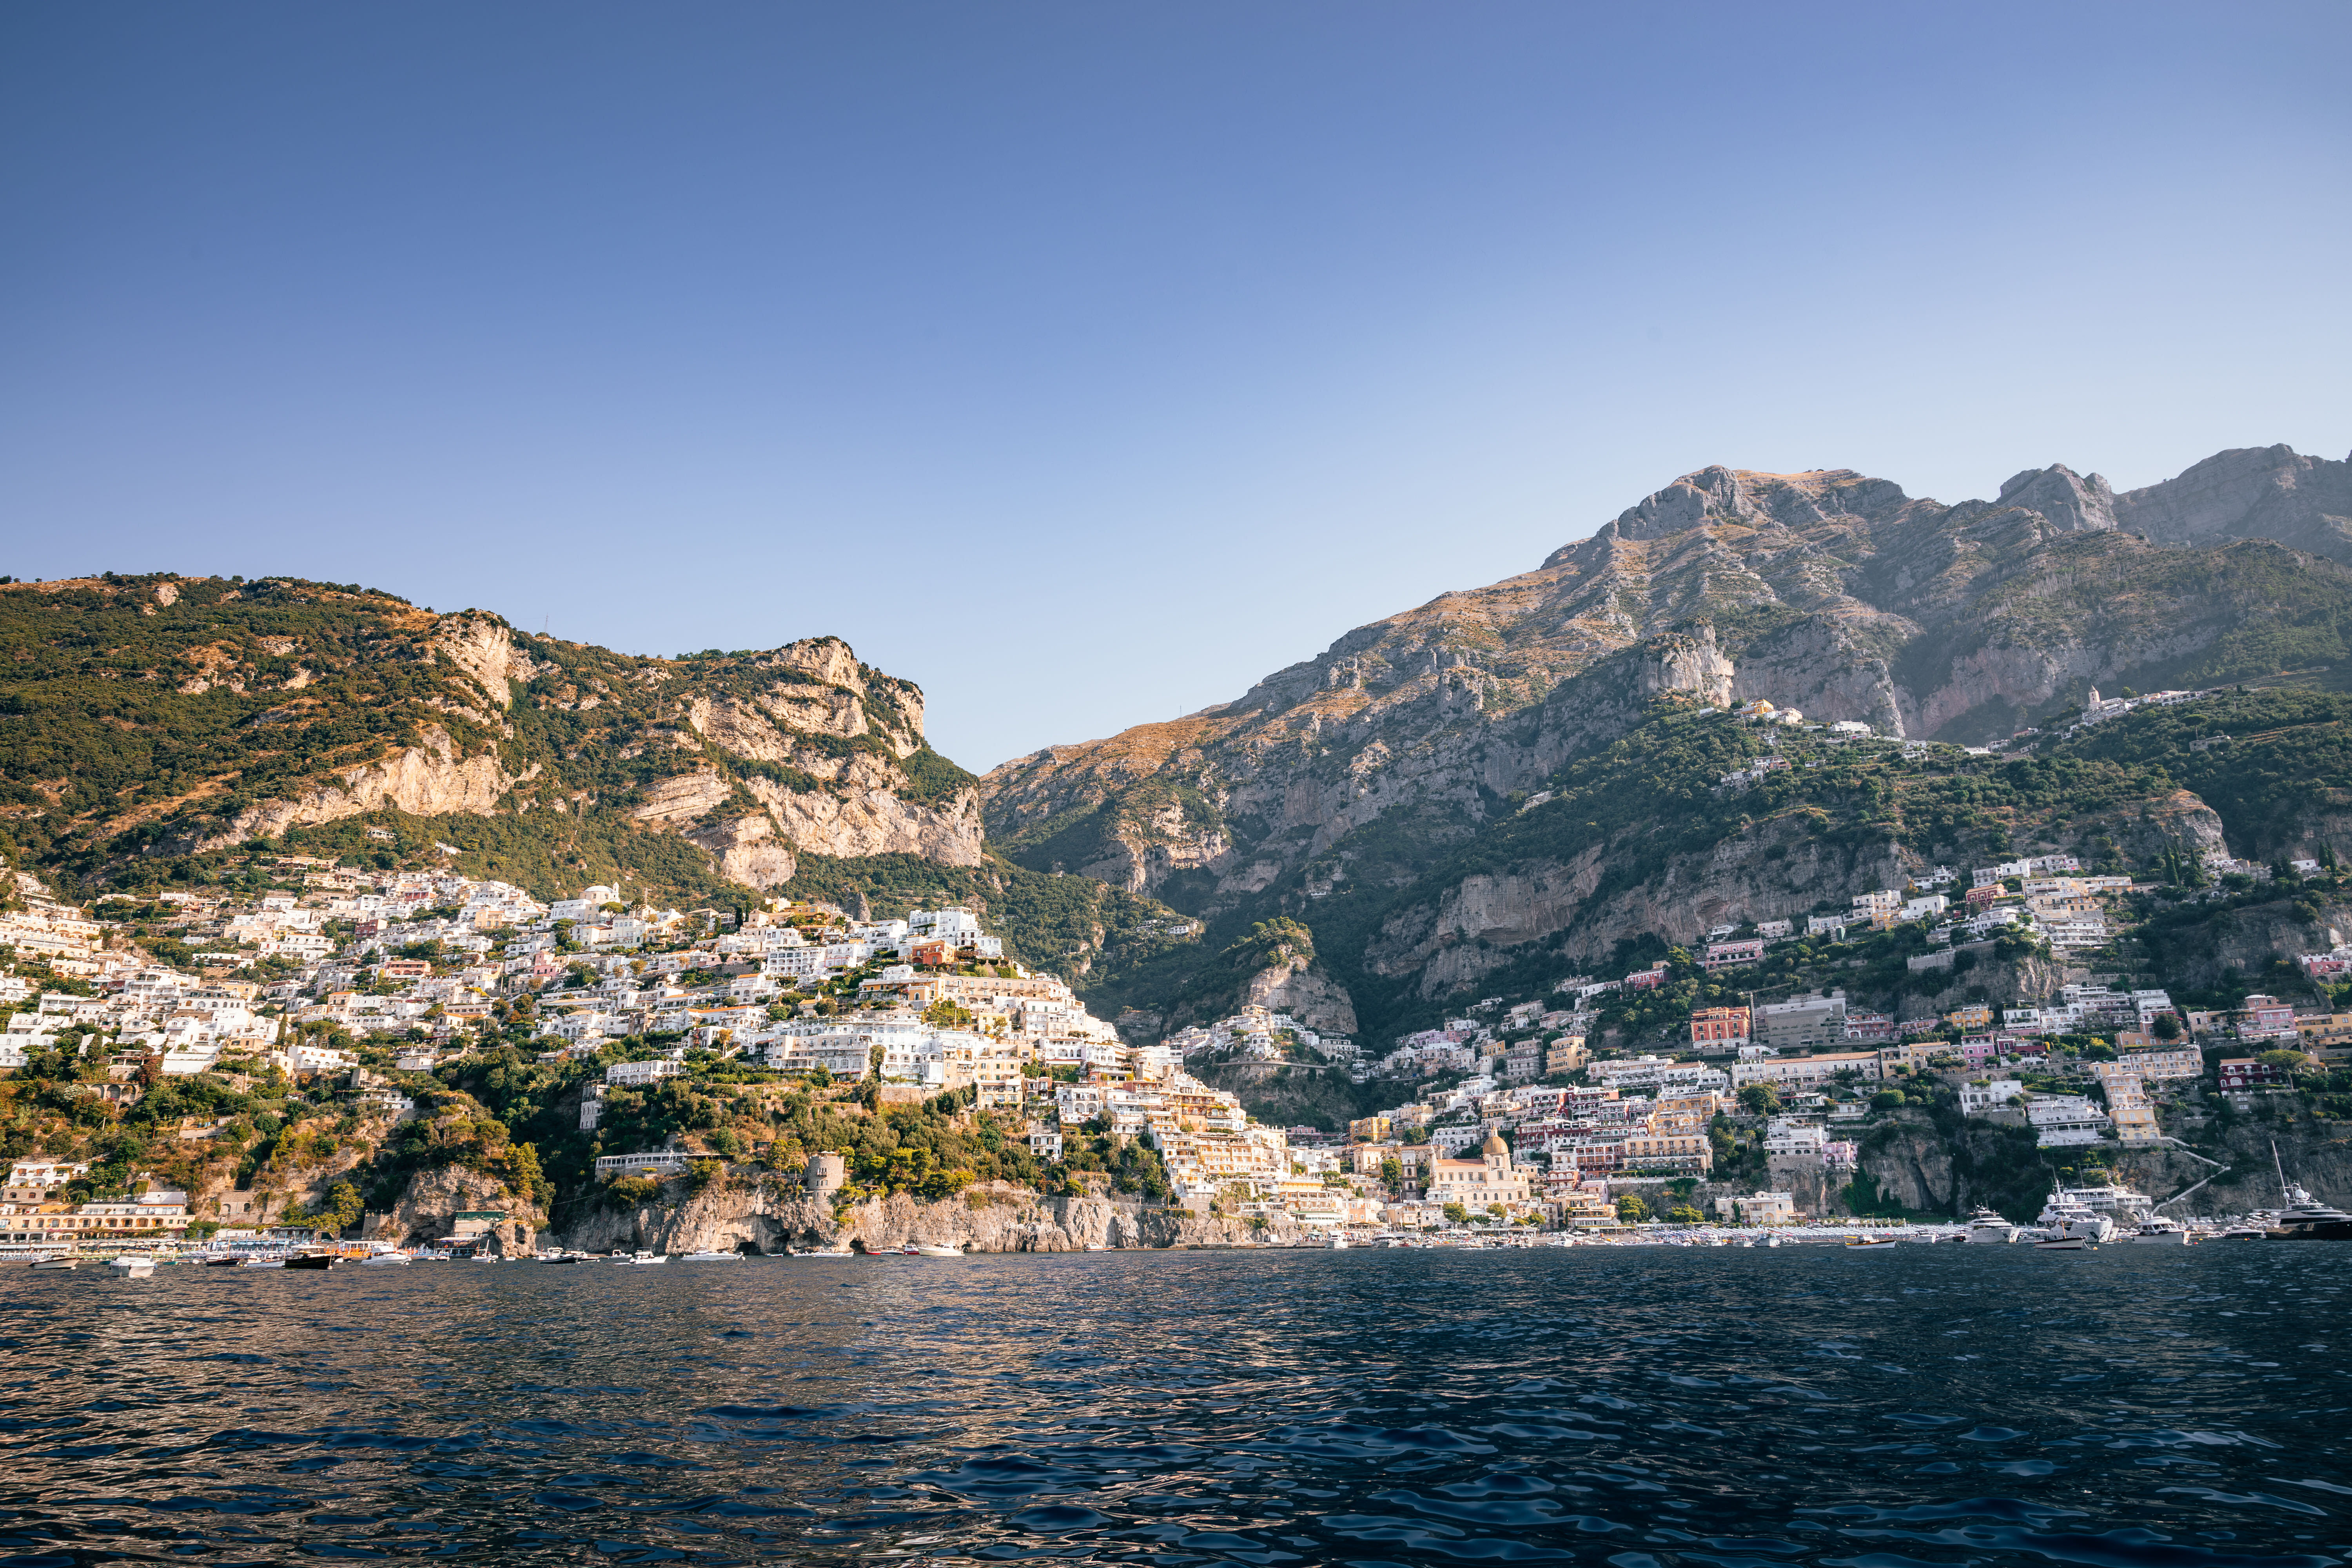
[1083, 363]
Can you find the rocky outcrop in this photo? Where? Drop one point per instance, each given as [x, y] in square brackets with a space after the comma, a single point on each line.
[745, 1213]
[2246, 939]
[1778, 871]
[423, 780]
[480, 646]
[1688, 661]
[747, 850]
[428, 1209]
[876, 822]
[1297, 987]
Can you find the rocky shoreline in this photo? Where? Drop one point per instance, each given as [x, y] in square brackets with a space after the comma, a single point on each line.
[779, 1215]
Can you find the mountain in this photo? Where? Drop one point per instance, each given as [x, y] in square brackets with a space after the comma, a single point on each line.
[1371, 792]
[160, 728]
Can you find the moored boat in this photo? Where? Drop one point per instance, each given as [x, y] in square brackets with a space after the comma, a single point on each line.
[1869, 1241]
[934, 1249]
[134, 1268]
[316, 1261]
[2305, 1218]
[2157, 1230]
[710, 1256]
[1986, 1227]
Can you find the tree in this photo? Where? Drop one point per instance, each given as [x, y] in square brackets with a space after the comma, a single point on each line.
[1631, 1210]
[2167, 1027]
[1682, 1214]
[1456, 1215]
[1759, 1099]
[1392, 1173]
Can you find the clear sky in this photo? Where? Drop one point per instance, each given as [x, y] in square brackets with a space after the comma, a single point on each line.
[1085, 362]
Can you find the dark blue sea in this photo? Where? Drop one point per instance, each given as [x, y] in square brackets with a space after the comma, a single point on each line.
[2135, 1407]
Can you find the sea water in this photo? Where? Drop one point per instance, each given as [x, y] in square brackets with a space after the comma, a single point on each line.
[1638, 1406]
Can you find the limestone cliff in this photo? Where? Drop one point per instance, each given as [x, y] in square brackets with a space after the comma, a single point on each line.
[428, 1209]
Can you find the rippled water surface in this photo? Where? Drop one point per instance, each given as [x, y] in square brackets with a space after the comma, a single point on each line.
[1631, 1406]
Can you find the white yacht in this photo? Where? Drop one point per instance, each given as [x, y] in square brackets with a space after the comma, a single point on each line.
[2066, 1219]
[132, 1267]
[2120, 1203]
[2161, 1231]
[709, 1254]
[2305, 1218]
[1984, 1226]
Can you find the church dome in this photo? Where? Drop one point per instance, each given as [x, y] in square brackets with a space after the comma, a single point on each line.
[1494, 1145]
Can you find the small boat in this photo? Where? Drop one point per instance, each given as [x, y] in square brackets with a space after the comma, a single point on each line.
[57, 1263]
[1337, 1244]
[708, 1256]
[1096, 1247]
[825, 1252]
[638, 1259]
[262, 1263]
[561, 1256]
[313, 1261]
[2161, 1232]
[2065, 1244]
[225, 1260]
[1869, 1241]
[384, 1261]
[934, 1249]
[132, 1267]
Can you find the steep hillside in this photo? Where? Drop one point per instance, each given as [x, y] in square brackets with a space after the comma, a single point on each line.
[1372, 791]
[160, 727]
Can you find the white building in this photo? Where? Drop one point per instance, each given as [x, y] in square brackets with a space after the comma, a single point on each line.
[1975, 1098]
[2060, 1120]
[636, 1075]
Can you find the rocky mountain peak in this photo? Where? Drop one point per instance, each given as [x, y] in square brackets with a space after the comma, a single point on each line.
[2071, 502]
[2249, 492]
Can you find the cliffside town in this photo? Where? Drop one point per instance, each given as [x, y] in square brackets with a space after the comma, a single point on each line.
[1785, 818]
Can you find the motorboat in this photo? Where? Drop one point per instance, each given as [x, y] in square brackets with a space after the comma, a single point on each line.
[1985, 1226]
[57, 1263]
[1337, 1244]
[2125, 1206]
[315, 1261]
[638, 1259]
[2305, 1218]
[2160, 1231]
[934, 1249]
[131, 1267]
[709, 1256]
[825, 1252]
[560, 1255]
[384, 1261]
[2064, 1244]
[2065, 1217]
[1869, 1241]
